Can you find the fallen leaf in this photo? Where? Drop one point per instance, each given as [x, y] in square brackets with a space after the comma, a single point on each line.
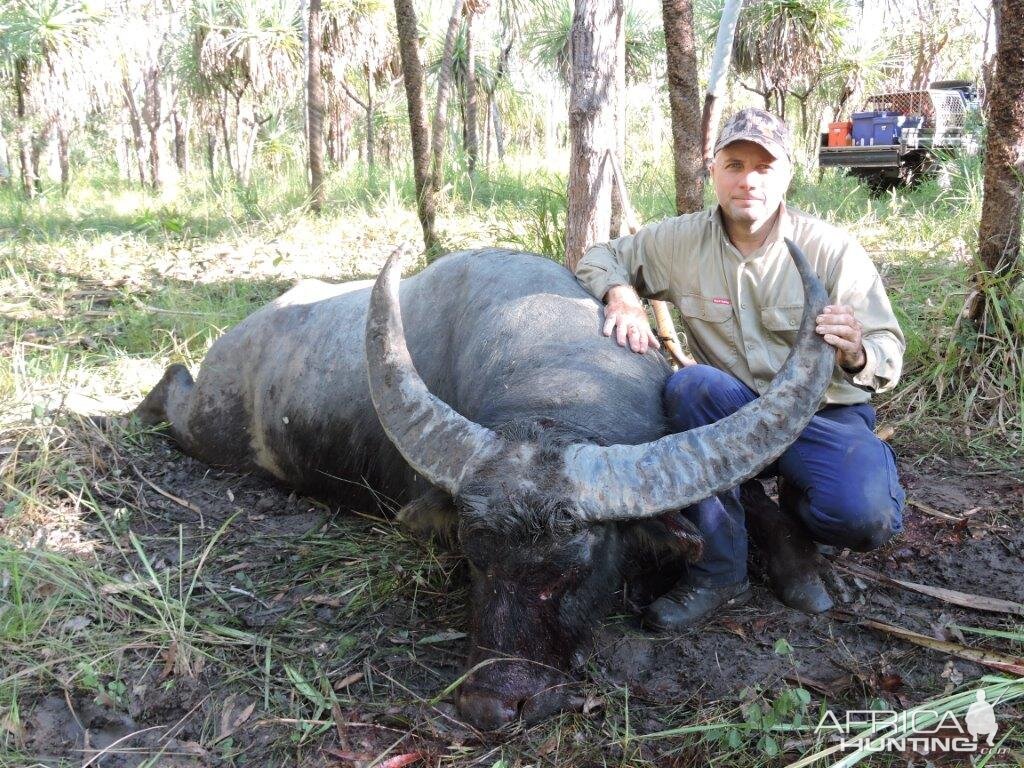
[170, 655]
[330, 602]
[442, 637]
[226, 711]
[952, 674]
[889, 682]
[592, 704]
[348, 680]
[550, 745]
[730, 625]
[400, 761]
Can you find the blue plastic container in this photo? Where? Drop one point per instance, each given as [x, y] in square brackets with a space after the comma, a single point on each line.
[886, 130]
[863, 127]
[863, 132]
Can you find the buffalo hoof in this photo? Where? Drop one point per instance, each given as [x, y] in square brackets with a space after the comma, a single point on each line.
[805, 593]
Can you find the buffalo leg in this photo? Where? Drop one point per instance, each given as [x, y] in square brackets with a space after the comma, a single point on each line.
[786, 548]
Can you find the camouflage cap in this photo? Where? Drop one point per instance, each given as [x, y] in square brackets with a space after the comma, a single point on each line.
[760, 127]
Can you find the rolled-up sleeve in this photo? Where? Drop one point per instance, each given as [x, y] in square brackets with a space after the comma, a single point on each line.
[642, 260]
[858, 284]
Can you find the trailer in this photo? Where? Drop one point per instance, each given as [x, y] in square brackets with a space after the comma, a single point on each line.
[900, 137]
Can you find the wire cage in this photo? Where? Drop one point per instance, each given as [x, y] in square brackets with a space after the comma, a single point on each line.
[944, 112]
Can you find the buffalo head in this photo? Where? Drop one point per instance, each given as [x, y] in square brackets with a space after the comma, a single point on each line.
[544, 512]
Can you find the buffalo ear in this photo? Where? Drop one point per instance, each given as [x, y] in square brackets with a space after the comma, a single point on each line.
[431, 516]
[668, 535]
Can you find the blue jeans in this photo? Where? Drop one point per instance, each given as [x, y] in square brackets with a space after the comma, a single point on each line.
[841, 478]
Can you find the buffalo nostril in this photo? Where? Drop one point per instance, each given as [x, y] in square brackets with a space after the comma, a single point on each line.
[487, 712]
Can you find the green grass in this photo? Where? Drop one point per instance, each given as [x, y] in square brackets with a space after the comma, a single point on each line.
[101, 290]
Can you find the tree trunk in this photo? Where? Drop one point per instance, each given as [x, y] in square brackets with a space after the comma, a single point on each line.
[591, 124]
[684, 101]
[619, 102]
[211, 153]
[151, 115]
[499, 132]
[180, 142]
[472, 143]
[444, 80]
[315, 109]
[412, 73]
[39, 142]
[62, 158]
[369, 117]
[999, 238]
[28, 170]
[136, 124]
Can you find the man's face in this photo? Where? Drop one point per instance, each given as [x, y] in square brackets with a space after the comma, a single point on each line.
[750, 182]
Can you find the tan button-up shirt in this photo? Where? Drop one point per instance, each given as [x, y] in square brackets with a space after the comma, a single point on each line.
[741, 314]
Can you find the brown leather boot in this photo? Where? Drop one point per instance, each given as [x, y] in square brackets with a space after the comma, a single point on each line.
[786, 549]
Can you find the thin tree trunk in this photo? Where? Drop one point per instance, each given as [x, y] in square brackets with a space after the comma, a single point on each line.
[180, 142]
[369, 117]
[225, 130]
[499, 132]
[28, 170]
[999, 237]
[684, 102]
[487, 130]
[151, 115]
[136, 124]
[39, 142]
[444, 80]
[211, 153]
[412, 73]
[472, 143]
[591, 124]
[62, 158]
[619, 102]
[315, 109]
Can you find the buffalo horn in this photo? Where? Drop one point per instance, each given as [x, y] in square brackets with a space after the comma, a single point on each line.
[622, 482]
[436, 441]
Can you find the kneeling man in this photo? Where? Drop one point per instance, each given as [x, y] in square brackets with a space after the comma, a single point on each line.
[740, 300]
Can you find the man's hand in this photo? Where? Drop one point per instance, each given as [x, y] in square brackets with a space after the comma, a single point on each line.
[842, 330]
[624, 314]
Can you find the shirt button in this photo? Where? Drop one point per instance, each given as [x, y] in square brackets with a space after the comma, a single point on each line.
[792, 323]
[749, 346]
[743, 306]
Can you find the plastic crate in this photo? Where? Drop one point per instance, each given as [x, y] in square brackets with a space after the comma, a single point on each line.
[840, 134]
[863, 132]
[886, 130]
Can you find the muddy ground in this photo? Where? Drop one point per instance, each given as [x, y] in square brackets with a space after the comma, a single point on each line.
[380, 632]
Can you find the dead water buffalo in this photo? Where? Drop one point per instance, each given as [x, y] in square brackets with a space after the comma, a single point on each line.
[515, 430]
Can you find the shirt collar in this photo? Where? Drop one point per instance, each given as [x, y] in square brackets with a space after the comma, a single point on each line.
[783, 228]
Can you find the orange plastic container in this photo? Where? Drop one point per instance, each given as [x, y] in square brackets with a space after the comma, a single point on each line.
[839, 134]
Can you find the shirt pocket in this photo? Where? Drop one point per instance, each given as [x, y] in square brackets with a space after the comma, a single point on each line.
[711, 327]
[783, 320]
